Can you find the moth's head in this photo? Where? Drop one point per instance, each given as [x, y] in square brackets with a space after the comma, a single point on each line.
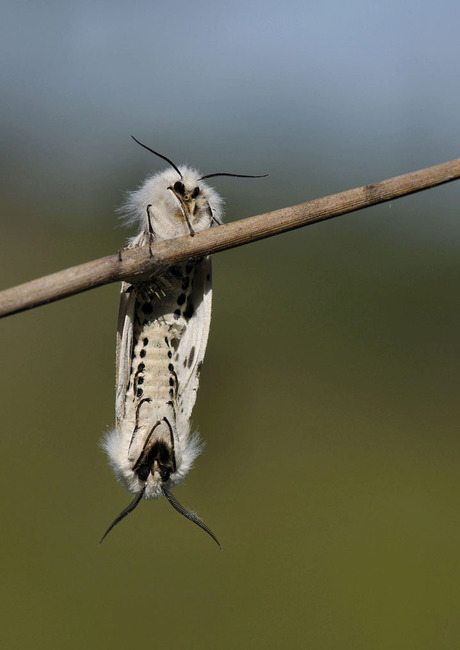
[175, 202]
[154, 466]
[152, 473]
[150, 461]
[194, 199]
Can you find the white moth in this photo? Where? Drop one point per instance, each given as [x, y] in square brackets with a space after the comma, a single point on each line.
[163, 329]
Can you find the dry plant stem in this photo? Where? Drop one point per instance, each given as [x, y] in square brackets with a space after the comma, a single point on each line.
[140, 262]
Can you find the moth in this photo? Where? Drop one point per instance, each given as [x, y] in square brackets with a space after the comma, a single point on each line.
[163, 329]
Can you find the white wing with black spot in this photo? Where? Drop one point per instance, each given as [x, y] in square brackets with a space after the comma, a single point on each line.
[192, 346]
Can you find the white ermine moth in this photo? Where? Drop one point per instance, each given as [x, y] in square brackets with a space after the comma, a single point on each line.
[163, 329]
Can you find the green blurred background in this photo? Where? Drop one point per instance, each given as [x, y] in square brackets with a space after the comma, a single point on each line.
[329, 399]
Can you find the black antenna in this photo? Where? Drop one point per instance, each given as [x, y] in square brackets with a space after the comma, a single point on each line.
[234, 175]
[189, 515]
[158, 154]
[124, 513]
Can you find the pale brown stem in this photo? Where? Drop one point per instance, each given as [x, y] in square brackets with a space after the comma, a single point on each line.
[134, 264]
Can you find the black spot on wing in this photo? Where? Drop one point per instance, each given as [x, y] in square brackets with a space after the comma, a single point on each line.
[189, 310]
[176, 271]
[191, 357]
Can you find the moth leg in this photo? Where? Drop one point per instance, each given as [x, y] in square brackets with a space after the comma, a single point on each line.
[213, 219]
[155, 289]
[150, 229]
[121, 251]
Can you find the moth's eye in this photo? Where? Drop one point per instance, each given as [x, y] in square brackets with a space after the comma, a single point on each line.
[195, 192]
[142, 472]
[179, 187]
[165, 473]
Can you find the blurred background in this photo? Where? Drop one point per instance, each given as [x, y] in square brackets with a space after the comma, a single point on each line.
[329, 399]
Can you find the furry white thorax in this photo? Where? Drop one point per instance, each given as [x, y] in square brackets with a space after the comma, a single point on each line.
[166, 208]
[162, 335]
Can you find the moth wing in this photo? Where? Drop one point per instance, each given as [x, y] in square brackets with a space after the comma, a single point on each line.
[192, 346]
[124, 347]
[125, 336]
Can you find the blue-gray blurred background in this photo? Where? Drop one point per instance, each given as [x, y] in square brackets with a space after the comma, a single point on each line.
[329, 399]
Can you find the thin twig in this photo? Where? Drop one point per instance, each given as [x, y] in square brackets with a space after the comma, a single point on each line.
[138, 262]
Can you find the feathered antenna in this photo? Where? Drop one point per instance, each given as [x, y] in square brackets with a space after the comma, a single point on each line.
[134, 503]
[158, 154]
[189, 515]
[175, 504]
[234, 175]
[203, 177]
